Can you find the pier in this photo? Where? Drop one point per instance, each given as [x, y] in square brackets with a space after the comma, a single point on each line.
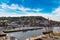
[21, 29]
[2, 34]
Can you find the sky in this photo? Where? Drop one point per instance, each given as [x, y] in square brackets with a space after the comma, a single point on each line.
[16, 8]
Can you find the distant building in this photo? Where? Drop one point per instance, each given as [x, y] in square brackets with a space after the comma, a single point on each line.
[13, 24]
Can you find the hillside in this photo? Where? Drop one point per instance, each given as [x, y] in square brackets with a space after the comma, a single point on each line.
[23, 18]
[29, 20]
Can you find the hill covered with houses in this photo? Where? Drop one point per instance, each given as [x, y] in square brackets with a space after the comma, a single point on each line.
[27, 21]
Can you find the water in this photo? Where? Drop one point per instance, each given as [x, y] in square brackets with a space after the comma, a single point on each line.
[28, 34]
[24, 35]
[1, 28]
[56, 29]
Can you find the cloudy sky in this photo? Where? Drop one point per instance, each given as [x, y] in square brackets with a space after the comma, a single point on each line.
[45, 8]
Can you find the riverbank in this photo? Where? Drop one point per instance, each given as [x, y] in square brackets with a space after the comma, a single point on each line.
[50, 36]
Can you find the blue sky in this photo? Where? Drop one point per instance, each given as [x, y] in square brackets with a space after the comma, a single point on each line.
[45, 8]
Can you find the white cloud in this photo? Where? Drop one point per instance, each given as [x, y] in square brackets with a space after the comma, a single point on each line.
[56, 14]
[37, 10]
[13, 6]
[56, 11]
[3, 5]
[23, 9]
[4, 14]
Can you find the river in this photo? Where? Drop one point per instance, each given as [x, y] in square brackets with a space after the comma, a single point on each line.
[28, 34]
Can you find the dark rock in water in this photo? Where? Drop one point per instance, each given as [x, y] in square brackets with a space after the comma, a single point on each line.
[38, 39]
[47, 32]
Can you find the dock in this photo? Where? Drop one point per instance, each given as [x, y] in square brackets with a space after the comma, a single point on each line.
[2, 34]
[5, 38]
[21, 29]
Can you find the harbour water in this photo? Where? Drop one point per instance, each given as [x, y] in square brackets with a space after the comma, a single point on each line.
[28, 34]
